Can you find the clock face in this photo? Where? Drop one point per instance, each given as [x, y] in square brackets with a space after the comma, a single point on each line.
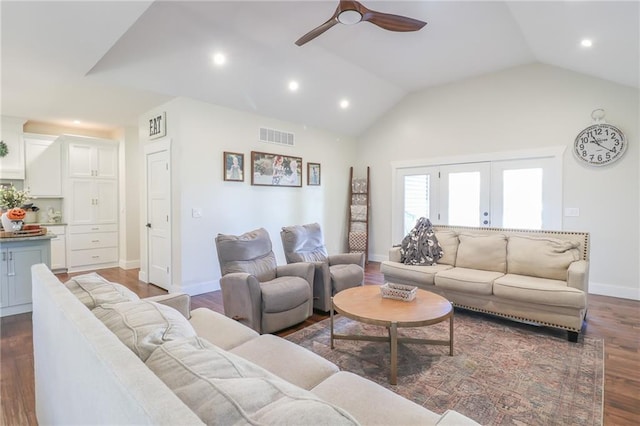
[600, 144]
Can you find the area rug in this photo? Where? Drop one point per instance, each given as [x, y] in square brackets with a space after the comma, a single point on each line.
[502, 372]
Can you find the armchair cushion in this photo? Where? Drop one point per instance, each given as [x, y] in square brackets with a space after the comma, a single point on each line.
[284, 293]
[346, 276]
[250, 252]
[303, 243]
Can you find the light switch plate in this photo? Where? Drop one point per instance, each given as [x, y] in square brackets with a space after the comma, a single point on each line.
[196, 213]
[572, 212]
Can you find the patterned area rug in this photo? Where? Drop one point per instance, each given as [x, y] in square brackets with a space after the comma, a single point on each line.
[502, 372]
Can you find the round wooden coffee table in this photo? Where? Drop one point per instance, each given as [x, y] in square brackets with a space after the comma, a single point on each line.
[366, 304]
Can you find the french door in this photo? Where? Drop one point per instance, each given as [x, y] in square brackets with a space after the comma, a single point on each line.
[509, 193]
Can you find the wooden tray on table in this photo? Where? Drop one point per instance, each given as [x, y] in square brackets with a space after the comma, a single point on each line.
[35, 232]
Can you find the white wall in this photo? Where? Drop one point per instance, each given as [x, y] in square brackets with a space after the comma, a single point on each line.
[199, 134]
[130, 175]
[525, 107]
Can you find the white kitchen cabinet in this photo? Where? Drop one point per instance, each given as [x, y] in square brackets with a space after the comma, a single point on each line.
[92, 201]
[95, 159]
[12, 164]
[58, 247]
[92, 247]
[90, 189]
[43, 161]
[17, 255]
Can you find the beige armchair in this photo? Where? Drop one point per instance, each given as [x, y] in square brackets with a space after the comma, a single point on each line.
[304, 243]
[257, 292]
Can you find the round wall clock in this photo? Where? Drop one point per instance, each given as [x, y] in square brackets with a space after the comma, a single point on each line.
[600, 144]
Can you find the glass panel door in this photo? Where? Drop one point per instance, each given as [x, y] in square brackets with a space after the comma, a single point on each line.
[465, 191]
[418, 197]
[526, 194]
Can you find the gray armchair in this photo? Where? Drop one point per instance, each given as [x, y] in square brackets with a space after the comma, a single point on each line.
[257, 292]
[304, 243]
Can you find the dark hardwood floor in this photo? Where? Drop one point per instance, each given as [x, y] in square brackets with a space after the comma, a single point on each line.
[617, 321]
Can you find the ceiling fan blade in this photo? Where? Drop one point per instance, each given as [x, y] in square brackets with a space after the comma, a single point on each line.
[393, 22]
[317, 31]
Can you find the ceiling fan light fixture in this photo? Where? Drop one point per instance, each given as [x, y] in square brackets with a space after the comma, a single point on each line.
[349, 17]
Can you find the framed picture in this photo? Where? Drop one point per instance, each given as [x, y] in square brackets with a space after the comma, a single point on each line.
[313, 174]
[233, 165]
[275, 169]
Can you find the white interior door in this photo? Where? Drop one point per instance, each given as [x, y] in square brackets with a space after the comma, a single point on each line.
[158, 219]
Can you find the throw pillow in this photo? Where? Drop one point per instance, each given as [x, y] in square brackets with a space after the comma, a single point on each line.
[541, 257]
[143, 325]
[223, 388]
[93, 290]
[484, 252]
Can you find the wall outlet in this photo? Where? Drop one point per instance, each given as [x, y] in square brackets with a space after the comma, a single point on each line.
[572, 212]
[196, 213]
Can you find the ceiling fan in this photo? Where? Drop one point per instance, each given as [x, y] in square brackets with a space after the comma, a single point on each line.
[351, 12]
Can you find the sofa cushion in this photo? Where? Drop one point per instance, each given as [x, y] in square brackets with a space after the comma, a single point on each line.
[449, 242]
[286, 360]
[410, 274]
[224, 389]
[539, 290]
[486, 252]
[540, 257]
[370, 403]
[474, 281]
[219, 329]
[346, 276]
[284, 293]
[143, 326]
[93, 290]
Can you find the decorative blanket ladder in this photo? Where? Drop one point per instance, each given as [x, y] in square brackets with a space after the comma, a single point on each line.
[358, 239]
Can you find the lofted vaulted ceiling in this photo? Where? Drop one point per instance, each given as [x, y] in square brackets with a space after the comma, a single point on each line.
[107, 62]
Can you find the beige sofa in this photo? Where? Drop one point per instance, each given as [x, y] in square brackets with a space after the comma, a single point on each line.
[130, 361]
[531, 276]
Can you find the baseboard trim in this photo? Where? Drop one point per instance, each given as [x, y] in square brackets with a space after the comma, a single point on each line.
[614, 291]
[193, 289]
[129, 264]
[378, 257]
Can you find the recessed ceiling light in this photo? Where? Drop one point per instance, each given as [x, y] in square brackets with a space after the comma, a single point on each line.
[293, 85]
[344, 104]
[77, 121]
[586, 42]
[219, 59]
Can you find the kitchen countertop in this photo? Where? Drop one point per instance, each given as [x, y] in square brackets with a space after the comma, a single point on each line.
[37, 237]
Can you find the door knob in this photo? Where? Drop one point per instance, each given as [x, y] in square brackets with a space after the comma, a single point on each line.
[148, 225]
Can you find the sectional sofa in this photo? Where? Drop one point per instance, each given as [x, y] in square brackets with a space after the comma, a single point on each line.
[103, 356]
[532, 276]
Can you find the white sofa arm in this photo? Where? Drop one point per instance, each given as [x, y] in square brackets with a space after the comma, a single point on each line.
[453, 418]
[578, 275]
[394, 254]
